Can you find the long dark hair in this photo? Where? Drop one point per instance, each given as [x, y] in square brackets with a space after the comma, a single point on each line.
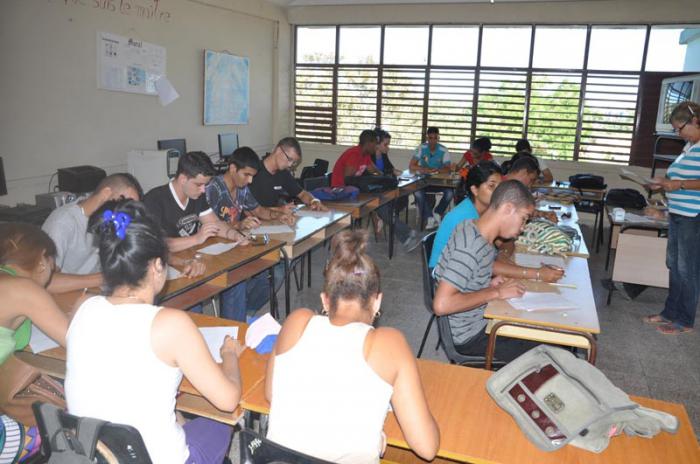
[128, 239]
[23, 245]
[479, 174]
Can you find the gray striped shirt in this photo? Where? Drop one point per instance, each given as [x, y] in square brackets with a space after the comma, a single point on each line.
[466, 263]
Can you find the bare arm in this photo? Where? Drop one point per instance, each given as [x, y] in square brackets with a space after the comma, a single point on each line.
[547, 176]
[391, 356]
[62, 283]
[223, 229]
[449, 300]
[544, 273]
[311, 201]
[26, 298]
[177, 341]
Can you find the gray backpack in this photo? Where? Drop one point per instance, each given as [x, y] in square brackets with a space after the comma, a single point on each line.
[556, 399]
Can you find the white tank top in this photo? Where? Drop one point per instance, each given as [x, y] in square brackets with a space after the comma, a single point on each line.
[326, 400]
[113, 374]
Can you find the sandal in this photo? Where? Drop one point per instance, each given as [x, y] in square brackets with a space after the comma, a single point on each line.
[655, 319]
[673, 328]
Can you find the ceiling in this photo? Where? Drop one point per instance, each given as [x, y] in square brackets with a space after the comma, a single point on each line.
[291, 3]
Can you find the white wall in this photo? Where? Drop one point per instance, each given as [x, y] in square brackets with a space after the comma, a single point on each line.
[54, 116]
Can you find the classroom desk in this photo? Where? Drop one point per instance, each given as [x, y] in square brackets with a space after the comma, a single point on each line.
[222, 271]
[648, 227]
[474, 429]
[562, 327]
[252, 368]
[309, 232]
[444, 179]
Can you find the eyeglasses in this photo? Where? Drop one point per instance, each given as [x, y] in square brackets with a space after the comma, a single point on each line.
[291, 161]
[692, 115]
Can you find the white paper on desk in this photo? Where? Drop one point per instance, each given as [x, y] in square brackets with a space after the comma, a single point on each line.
[273, 229]
[530, 260]
[173, 273]
[261, 328]
[537, 301]
[217, 248]
[166, 92]
[214, 337]
[631, 217]
[39, 341]
[315, 214]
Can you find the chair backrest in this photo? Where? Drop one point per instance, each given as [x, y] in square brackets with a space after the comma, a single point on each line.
[320, 167]
[258, 450]
[428, 281]
[66, 438]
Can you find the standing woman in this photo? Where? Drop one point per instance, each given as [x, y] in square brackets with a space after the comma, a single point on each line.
[126, 356]
[26, 264]
[682, 187]
[330, 377]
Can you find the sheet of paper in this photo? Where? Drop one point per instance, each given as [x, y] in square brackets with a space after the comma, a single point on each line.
[214, 336]
[636, 218]
[166, 92]
[273, 229]
[39, 341]
[217, 248]
[529, 260]
[173, 273]
[261, 328]
[536, 301]
[314, 214]
[634, 177]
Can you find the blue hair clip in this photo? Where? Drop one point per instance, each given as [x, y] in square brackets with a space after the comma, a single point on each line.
[120, 220]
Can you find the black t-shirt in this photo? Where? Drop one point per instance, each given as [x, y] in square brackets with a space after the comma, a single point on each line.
[175, 220]
[267, 188]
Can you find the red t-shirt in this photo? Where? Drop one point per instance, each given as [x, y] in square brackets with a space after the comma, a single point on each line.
[469, 157]
[351, 157]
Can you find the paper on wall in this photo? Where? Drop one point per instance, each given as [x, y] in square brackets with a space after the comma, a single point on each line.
[214, 337]
[166, 92]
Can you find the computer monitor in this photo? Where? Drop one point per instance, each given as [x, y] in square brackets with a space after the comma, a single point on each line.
[227, 144]
[173, 144]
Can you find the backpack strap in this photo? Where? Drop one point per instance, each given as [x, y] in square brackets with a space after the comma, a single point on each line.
[88, 431]
[66, 446]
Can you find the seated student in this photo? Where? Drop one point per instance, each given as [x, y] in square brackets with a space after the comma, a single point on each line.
[380, 157]
[466, 273]
[27, 257]
[331, 377]
[181, 207]
[482, 180]
[525, 169]
[126, 356]
[275, 179]
[478, 151]
[357, 160]
[76, 257]
[432, 157]
[523, 146]
[230, 198]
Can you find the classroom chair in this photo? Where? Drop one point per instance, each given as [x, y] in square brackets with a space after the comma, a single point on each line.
[428, 287]
[258, 450]
[68, 438]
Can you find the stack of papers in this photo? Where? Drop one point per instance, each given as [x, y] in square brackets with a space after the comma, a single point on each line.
[214, 337]
[217, 248]
[536, 301]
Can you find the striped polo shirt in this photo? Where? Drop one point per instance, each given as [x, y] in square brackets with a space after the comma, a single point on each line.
[685, 167]
[466, 263]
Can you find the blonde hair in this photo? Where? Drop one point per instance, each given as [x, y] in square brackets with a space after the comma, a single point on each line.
[350, 273]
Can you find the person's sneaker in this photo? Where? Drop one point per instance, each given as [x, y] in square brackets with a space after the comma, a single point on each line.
[412, 242]
[431, 223]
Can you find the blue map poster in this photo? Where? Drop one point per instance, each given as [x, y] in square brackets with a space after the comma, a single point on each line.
[226, 88]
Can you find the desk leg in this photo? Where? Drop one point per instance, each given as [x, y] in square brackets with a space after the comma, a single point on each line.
[308, 270]
[607, 258]
[392, 224]
[287, 302]
[273, 295]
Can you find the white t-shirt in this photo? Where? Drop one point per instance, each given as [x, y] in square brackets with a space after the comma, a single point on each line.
[75, 252]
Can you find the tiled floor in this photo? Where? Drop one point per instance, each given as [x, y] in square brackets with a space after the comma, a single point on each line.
[637, 358]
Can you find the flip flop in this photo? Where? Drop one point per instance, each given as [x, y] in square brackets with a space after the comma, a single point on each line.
[673, 328]
[655, 319]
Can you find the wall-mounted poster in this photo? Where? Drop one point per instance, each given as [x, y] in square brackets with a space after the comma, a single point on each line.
[128, 65]
[226, 88]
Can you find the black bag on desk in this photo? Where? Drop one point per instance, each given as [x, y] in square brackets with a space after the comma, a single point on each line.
[587, 181]
[626, 198]
[372, 184]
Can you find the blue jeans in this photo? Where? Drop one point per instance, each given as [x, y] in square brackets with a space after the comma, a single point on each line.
[247, 297]
[425, 203]
[683, 262]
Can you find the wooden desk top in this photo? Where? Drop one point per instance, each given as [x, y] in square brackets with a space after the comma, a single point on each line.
[584, 319]
[474, 429]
